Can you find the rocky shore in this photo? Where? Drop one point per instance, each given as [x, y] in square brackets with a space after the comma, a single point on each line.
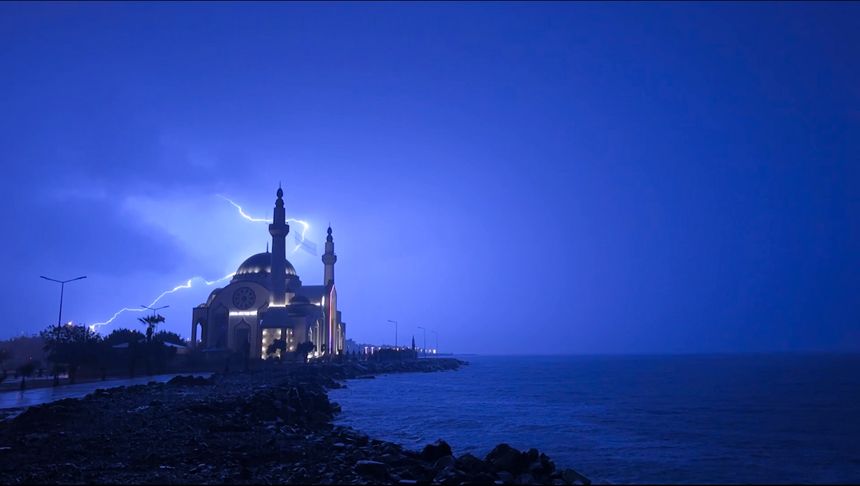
[270, 426]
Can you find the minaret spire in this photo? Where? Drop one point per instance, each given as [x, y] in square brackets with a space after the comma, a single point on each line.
[329, 258]
[279, 229]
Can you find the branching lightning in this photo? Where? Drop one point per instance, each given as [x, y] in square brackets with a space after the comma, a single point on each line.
[305, 224]
[188, 284]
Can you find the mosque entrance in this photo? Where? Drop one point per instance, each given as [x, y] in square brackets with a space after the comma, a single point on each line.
[242, 338]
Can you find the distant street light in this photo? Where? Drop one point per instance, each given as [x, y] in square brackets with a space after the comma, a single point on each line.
[425, 340]
[435, 334]
[62, 289]
[395, 332]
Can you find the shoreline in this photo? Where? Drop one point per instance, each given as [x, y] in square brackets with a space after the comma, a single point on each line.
[272, 425]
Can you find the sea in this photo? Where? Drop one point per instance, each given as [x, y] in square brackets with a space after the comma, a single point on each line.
[761, 418]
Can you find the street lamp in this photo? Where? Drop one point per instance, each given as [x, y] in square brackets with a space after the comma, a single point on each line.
[62, 289]
[154, 309]
[395, 332]
[150, 325]
[425, 340]
[60, 316]
[436, 335]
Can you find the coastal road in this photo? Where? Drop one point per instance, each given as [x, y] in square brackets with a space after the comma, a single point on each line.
[14, 402]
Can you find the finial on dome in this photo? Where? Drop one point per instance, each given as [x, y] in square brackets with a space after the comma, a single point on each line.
[280, 191]
[328, 238]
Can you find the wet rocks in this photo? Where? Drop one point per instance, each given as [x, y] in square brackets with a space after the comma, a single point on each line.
[436, 450]
[269, 426]
[372, 469]
[189, 381]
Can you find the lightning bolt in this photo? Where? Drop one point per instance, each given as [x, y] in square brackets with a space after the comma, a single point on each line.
[305, 224]
[242, 211]
[188, 284]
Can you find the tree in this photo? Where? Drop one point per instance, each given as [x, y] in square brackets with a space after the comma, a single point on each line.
[127, 344]
[163, 347]
[5, 354]
[277, 345]
[169, 337]
[123, 336]
[303, 349]
[151, 322]
[26, 370]
[70, 345]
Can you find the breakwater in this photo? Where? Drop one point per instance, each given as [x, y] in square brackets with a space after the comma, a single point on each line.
[271, 425]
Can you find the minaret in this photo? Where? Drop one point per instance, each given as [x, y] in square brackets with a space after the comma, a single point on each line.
[279, 229]
[328, 259]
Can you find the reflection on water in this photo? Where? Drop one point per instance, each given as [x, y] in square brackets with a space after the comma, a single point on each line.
[13, 402]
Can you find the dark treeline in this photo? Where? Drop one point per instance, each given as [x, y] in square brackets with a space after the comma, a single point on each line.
[75, 351]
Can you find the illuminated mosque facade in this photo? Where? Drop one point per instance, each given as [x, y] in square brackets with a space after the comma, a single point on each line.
[265, 302]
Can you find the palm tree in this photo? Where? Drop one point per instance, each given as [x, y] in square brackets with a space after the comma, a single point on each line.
[151, 322]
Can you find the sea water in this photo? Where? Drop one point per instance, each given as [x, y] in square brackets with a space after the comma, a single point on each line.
[634, 419]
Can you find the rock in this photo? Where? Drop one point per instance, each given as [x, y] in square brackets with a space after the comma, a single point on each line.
[372, 469]
[433, 452]
[470, 464]
[443, 462]
[448, 475]
[505, 458]
[505, 477]
[572, 477]
[525, 478]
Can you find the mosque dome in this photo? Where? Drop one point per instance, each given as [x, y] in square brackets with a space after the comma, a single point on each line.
[261, 263]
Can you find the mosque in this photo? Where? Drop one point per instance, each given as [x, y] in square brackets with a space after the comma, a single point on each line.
[265, 303]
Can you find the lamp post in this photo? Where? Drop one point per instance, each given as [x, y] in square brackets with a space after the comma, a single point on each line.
[395, 332]
[60, 315]
[149, 328]
[154, 309]
[436, 335]
[425, 340]
[62, 289]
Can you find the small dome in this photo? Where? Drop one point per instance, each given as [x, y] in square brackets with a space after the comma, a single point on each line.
[261, 263]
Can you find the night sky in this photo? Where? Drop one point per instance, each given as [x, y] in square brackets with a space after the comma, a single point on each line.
[522, 178]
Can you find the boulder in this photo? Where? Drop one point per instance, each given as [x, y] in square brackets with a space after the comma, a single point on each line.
[572, 477]
[470, 464]
[372, 469]
[435, 451]
[505, 477]
[505, 458]
[443, 462]
[525, 478]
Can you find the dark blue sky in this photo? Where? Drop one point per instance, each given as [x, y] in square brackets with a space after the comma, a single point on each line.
[523, 178]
